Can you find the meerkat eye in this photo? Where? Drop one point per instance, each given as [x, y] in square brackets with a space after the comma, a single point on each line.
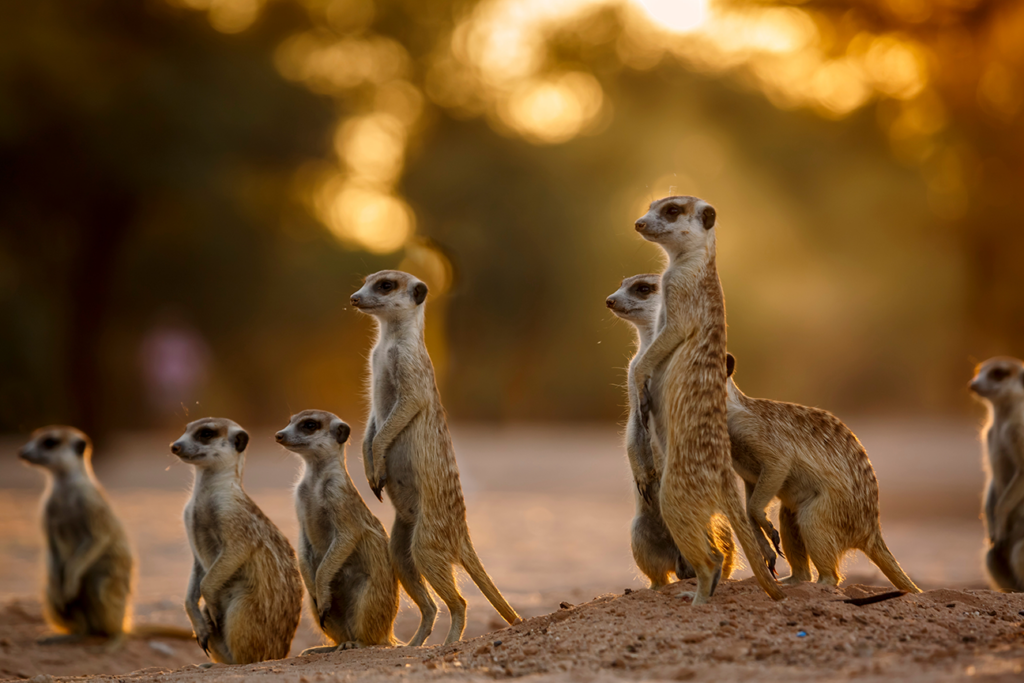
[672, 210]
[50, 442]
[998, 374]
[644, 289]
[206, 433]
[311, 425]
[387, 286]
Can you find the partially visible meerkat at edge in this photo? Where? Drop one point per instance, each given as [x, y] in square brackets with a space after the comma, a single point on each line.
[343, 548]
[654, 551]
[89, 561]
[999, 382]
[244, 569]
[408, 449]
[822, 476]
[687, 396]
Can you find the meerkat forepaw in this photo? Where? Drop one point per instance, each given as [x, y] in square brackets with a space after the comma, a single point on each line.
[777, 542]
[377, 488]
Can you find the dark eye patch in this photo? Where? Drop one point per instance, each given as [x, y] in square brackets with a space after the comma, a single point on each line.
[672, 210]
[310, 425]
[205, 434]
[386, 286]
[50, 443]
[998, 374]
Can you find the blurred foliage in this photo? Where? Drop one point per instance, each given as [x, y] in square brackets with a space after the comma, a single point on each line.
[236, 166]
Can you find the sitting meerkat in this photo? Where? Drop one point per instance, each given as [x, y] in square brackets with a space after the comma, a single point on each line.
[244, 568]
[999, 382]
[88, 558]
[679, 381]
[823, 477]
[655, 553]
[408, 449]
[343, 548]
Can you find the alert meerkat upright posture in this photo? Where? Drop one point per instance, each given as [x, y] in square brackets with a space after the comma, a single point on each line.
[244, 568]
[343, 548]
[655, 553]
[823, 478]
[407, 447]
[88, 558]
[999, 382]
[687, 397]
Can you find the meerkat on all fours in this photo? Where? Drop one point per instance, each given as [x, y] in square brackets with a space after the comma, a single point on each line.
[821, 474]
[679, 381]
[244, 568]
[637, 302]
[343, 548]
[408, 449]
[999, 382]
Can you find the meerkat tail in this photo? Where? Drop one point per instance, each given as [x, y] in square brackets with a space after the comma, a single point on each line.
[471, 563]
[161, 631]
[737, 517]
[878, 552]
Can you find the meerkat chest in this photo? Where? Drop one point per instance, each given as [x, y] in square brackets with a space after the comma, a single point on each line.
[204, 519]
[1001, 445]
[317, 511]
[66, 518]
[387, 384]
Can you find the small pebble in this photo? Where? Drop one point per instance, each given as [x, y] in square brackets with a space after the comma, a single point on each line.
[497, 643]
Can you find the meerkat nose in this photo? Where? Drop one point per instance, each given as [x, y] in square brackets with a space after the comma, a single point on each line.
[640, 224]
[176, 448]
[356, 300]
[610, 302]
[279, 436]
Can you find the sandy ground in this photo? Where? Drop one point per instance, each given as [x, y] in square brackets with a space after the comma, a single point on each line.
[549, 510]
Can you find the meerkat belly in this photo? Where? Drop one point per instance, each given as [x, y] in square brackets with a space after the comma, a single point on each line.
[403, 488]
[348, 584]
[745, 459]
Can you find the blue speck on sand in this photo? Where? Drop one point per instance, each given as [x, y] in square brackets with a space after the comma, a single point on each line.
[801, 634]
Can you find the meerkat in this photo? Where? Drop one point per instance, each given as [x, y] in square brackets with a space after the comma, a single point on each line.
[343, 548]
[244, 569]
[822, 476]
[89, 562]
[655, 553]
[999, 382]
[687, 396]
[408, 449]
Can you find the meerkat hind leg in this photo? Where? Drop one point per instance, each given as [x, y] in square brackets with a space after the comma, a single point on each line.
[793, 544]
[999, 570]
[439, 573]
[412, 581]
[693, 541]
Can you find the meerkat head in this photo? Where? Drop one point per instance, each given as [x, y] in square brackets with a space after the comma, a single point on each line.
[636, 300]
[680, 225]
[999, 379]
[58, 449]
[212, 443]
[314, 431]
[390, 294]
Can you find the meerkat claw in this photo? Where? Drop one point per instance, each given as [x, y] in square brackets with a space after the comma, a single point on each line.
[377, 489]
[776, 541]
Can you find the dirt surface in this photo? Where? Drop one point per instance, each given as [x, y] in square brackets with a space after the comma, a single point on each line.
[942, 634]
[549, 510]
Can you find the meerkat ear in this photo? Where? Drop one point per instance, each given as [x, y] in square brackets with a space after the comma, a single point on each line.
[730, 364]
[80, 445]
[240, 440]
[708, 217]
[341, 431]
[419, 293]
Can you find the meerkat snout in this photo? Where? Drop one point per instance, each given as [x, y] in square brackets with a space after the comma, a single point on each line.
[640, 225]
[609, 302]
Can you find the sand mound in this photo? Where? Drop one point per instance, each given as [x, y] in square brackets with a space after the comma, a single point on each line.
[813, 635]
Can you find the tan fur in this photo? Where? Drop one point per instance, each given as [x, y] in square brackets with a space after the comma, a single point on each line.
[655, 553]
[687, 396]
[824, 479]
[244, 568]
[999, 382]
[343, 548]
[88, 559]
[408, 449]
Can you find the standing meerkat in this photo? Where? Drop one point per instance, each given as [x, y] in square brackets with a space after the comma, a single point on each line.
[343, 548]
[999, 382]
[244, 568]
[687, 396]
[655, 553]
[88, 558]
[821, 474]
[407, 447]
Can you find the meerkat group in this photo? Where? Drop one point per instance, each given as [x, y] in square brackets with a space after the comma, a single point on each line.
[684, 403]
[689, 433]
